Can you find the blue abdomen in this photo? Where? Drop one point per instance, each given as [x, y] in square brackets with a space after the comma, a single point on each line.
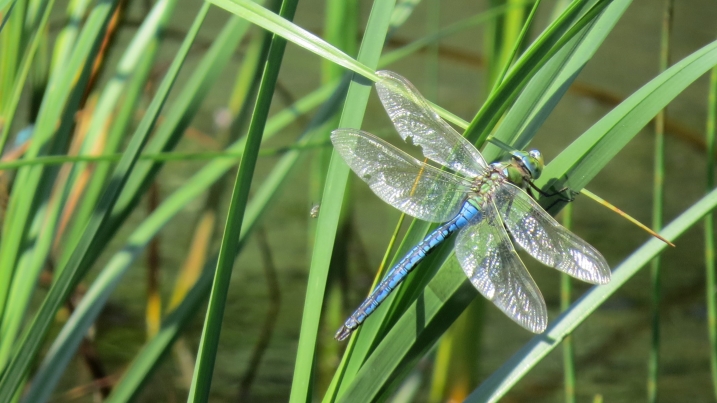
[469, 213]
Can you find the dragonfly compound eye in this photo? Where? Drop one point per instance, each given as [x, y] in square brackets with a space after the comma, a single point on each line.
[534, 163]
[530, 162]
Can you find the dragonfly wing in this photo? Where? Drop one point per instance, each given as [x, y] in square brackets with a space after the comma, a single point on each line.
[546, 240]
[488, 258]
[419, 124]
[402, 181]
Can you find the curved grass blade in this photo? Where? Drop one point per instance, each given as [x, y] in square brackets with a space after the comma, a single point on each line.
[74, 271]
[264, 18]
[291, 32]
[516, 367]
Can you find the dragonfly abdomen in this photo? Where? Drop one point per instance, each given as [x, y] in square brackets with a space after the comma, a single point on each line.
[469, 212]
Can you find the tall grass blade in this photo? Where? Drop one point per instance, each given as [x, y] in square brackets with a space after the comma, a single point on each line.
[331, 202]
[518, 43]
[202, 380]
[710, 269]
[658, 196]
[6, 12]
[568, 343]
[341, 22]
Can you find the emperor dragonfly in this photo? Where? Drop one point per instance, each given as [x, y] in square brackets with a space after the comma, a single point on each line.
[478, 200]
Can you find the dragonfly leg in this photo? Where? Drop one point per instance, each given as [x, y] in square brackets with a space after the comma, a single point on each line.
[563, 199]
[556, 193]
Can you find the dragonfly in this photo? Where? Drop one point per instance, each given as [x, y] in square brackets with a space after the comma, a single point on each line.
[472, 198]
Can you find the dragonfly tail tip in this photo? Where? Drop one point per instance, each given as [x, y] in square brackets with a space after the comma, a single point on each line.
[343, 333]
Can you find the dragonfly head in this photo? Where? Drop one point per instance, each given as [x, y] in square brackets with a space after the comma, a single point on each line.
[529, 162]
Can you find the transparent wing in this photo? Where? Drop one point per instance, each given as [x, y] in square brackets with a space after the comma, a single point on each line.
[418, 123]
[488, 258]
[546, 240]
[402, 181]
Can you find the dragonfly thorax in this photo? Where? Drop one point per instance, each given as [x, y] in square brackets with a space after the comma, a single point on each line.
[485, 185]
